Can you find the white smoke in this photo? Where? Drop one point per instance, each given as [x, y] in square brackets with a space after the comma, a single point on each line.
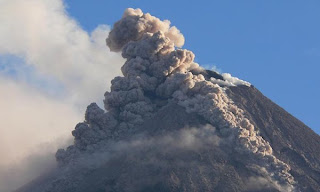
[44, 35]
[30, 127]
[57, 50]
[230, 81]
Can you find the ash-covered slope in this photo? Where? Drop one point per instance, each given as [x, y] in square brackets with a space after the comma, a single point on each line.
[171, 125]
[292, 141]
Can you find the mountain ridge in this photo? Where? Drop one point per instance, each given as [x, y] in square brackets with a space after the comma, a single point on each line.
[299, 136]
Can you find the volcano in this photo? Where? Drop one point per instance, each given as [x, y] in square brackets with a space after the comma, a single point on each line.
[170, 125]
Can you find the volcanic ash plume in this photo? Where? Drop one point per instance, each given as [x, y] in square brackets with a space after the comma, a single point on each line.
[157, 73]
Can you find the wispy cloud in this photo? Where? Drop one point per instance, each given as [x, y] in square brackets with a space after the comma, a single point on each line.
[50, 70]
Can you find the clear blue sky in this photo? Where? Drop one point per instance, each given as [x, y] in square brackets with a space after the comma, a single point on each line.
[273, 44]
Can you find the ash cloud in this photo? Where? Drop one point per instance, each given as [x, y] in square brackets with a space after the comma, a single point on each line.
[142, 151]
[134, 24]
[155, 72]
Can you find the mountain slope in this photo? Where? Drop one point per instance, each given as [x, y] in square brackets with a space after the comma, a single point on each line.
[292, 141]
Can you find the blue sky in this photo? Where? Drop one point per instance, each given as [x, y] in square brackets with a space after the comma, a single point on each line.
[274, 45]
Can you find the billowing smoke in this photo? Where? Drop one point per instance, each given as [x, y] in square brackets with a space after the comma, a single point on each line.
[141, 150]
[142, 24]
[157, 73]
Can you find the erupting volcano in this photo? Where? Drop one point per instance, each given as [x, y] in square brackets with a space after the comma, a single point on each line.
[170, 125]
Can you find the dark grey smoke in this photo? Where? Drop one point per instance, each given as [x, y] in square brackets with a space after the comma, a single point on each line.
[167, 123]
